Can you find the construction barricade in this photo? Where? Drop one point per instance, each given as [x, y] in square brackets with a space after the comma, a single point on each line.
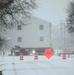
[36, 56]
[21, 56]
[64, 55]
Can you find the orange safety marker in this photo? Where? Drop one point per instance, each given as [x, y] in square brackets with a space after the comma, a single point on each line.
[36, 56]
[21, 56]
[64, 55]
[48, 53]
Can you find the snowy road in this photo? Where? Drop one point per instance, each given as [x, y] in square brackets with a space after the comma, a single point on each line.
[43, 66]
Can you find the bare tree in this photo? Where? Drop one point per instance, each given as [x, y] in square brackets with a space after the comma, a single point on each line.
[12, 10]
[70, 18]
[2, 40]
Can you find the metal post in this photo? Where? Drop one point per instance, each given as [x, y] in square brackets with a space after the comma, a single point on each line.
[50, 36]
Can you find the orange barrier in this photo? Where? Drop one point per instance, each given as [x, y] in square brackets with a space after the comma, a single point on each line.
[64, 55]
[36, 56]
[21, 56]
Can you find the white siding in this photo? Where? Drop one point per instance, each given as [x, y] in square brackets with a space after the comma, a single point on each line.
[31, 34]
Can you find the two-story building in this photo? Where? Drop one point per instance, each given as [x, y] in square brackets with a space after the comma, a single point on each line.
[35, 36]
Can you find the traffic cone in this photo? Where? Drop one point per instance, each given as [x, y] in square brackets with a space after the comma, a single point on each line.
[21, 56]
[36, 56]
[64, 55]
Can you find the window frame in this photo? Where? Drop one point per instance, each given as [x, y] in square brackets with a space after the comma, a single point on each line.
[41, 38]
[41, 27]
[19, 39]
[19, 27]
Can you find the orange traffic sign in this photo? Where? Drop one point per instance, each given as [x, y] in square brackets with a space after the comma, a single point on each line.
[48, 53]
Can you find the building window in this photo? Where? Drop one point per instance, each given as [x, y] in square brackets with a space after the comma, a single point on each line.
[41, 27]
[19, 27]
[19, 39]
[41, 38]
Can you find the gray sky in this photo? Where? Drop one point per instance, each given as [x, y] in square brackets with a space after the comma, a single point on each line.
[52, 10]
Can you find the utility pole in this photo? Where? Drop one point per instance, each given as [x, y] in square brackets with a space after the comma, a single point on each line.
[50, 35]
[63, 35]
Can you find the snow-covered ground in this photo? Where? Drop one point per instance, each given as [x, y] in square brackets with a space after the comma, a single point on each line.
[12, 65]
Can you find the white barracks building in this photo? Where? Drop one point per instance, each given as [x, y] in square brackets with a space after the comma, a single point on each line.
[35, 36]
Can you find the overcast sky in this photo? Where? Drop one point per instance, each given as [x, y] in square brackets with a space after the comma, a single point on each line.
[52, 10]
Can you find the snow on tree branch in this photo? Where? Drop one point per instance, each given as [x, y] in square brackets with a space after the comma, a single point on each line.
[13, 12]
